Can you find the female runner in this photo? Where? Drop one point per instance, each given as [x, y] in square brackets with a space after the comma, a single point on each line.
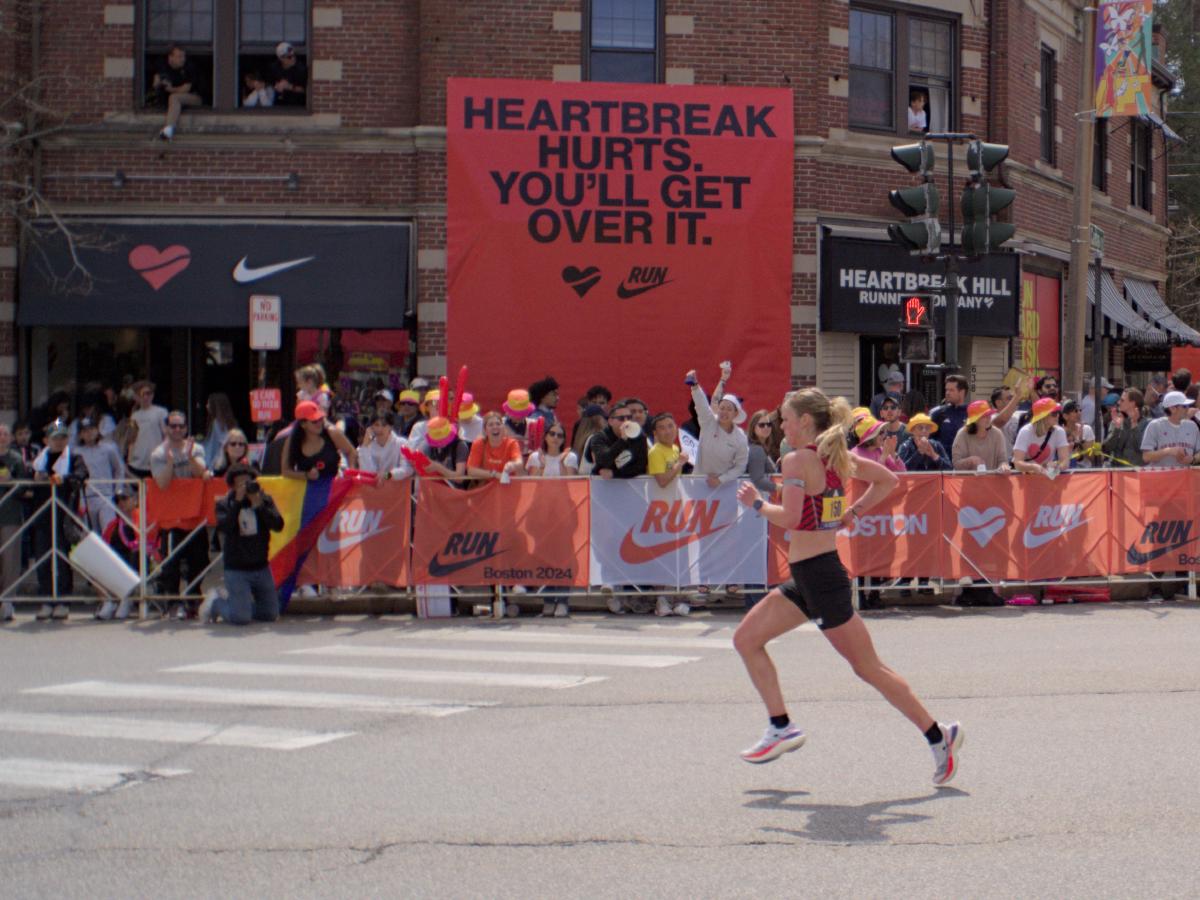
[813, 510]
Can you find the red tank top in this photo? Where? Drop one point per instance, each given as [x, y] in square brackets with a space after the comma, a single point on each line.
[823, 511]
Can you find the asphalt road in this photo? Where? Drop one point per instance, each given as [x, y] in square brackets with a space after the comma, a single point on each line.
[596, 757]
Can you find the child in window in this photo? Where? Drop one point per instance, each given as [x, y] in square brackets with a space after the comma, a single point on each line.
[918, 119]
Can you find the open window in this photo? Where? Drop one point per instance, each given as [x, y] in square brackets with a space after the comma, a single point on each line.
[226, 41]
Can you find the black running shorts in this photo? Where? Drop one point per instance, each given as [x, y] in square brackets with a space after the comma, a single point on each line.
[820, 587]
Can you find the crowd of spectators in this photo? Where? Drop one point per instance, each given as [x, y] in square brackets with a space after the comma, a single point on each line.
[92, 451]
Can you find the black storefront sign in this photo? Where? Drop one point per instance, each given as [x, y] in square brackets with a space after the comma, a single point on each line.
[864, 282]
[201, 274]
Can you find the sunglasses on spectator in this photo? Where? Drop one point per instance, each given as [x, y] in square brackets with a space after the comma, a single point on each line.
[237, 443]
[620, 418]
[762, 424]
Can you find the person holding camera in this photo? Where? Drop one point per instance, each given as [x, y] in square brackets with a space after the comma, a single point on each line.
[245, 519]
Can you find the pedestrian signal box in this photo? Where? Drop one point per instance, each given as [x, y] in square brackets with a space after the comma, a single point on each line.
[916, 328]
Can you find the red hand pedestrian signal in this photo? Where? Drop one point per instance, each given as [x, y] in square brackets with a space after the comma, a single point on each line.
[916, 313]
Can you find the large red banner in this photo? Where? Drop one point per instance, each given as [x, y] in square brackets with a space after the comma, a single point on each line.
[620, 234]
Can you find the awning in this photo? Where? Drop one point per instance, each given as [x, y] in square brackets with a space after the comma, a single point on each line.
[1168, 132]
[1145, 295]
[1119, 313]
[200, 273]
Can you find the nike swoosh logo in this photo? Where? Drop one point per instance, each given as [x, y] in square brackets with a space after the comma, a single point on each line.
[635, 554]
[438, 569]
[1033, 541]
[625, 293]
[325, 544]
[244, 274]
[1138, 558]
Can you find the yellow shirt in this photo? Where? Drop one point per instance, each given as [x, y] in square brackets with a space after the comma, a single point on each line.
[660, 458]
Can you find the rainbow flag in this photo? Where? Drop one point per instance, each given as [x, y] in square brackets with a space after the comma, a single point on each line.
[307, 508]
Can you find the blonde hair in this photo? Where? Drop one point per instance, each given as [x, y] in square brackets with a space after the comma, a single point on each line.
[831, 419]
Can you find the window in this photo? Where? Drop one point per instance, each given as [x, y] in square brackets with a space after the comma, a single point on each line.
[1140, 172]
[622, 41]
[1100, 155]
[244, 31]
[1047, 112]
[902, 70]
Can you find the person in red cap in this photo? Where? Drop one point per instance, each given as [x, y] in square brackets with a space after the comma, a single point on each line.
[314, 450]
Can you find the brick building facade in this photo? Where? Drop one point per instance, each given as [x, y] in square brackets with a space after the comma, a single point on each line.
[370, 143]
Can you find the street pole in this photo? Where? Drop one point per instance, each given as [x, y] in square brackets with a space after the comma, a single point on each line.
[1098, 347]
[1076, 311]
[950, 281]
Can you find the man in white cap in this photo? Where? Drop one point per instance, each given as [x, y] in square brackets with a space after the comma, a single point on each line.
[1173, 441]
[289, 76]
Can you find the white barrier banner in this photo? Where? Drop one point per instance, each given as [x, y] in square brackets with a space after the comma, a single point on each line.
[684, 534]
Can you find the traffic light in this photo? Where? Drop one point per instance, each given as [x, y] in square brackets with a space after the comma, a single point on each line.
[916, 328]
[981, 201]
[923, 235]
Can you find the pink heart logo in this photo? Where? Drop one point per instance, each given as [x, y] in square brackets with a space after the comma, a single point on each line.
[159, 266]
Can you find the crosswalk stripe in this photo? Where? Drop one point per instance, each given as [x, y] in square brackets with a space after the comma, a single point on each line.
[478, 655]
[56, 775]
[410, 676]
[550, 635]
[253, 697]
[166, 732]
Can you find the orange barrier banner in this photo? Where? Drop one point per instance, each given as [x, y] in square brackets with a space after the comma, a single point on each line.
[185, 503]
[1154, 521]
[901, 538]
[1026, 528]
[526, 532]
[367, 540]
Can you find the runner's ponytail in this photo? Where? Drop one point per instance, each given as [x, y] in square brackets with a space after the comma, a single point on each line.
[831, 443]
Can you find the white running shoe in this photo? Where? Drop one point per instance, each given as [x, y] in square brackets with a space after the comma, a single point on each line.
[775, 742]
[615, 606]
[43, 612]
[682, 609]
[106, 610]
[662, 607]
[945, 753]
[561, 611]
[205, 612]
[125, 608]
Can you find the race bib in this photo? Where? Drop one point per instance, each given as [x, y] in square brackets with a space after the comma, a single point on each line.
[832, 510]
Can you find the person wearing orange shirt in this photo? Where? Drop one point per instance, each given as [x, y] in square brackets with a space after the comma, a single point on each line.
[495, 455]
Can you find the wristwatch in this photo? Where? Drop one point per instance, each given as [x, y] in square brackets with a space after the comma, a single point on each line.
[758, 504]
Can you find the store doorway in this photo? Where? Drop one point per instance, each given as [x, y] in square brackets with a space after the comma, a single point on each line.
[221, 363]
[880, 355]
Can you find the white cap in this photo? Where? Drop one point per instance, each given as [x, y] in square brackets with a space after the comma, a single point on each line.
[283, 48]
[1175, 398]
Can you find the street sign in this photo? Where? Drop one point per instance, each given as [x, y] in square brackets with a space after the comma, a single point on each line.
[266, 405]
[266, 322]
[1098, 240]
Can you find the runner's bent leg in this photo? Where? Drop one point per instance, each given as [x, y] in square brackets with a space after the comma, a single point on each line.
[853, 641]
[770, 617]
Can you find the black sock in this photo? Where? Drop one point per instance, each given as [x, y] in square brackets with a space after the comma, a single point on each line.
[781, 721]
[934, 734]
